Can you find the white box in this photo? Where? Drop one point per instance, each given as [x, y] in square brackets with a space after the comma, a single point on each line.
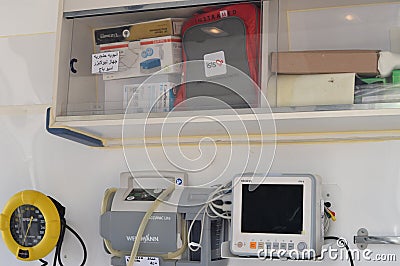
[129, 57]
[114, 90]
[145, 57]
[320, 89]
[161, 53]
[149, 97]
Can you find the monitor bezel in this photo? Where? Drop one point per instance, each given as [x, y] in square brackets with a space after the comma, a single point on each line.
[309, 213]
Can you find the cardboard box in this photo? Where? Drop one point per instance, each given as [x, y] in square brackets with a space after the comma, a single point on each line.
[161, 53]
[146, 57]
[149, 97]
[324, 62]
[139, 31]
[310, 90]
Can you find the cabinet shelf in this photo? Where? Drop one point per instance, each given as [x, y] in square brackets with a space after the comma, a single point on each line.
[290, 127]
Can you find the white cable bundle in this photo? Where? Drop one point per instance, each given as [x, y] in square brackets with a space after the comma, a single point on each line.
[193, 246]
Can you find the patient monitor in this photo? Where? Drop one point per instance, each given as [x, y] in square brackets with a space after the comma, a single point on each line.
[277, 216]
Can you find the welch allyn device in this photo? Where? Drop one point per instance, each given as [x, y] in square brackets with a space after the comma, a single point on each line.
[277, 216]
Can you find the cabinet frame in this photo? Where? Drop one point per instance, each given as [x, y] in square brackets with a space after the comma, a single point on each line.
[321, 124]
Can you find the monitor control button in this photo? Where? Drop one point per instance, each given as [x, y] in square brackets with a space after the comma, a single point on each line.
[301, 246]
[239, 244]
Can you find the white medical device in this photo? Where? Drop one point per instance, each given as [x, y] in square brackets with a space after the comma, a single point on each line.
[166, 235]
[277, 216]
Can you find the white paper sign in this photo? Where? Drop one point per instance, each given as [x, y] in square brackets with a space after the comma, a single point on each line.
[144, 261]
[214, 64]
[105, 62]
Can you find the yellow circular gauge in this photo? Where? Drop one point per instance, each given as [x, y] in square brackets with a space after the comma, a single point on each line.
[30, 225]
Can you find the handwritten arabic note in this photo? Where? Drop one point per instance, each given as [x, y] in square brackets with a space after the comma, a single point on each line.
[105, 62]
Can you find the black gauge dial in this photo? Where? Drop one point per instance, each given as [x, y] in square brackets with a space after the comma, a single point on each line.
[27, 225]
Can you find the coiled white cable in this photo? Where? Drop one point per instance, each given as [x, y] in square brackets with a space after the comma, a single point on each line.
[193, 246]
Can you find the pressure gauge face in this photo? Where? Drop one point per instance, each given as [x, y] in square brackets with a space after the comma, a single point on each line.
[27, 225]
[30, 225]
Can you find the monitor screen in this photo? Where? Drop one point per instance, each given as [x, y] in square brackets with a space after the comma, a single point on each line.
[272, 208]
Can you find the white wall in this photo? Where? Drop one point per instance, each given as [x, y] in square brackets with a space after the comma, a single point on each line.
[363, 178]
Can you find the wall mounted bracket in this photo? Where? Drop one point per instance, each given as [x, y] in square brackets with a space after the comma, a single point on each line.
[362, 239]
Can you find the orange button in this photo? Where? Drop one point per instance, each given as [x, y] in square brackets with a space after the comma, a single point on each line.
[253, 245]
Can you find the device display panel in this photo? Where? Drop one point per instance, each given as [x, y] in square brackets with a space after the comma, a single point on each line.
[272, 208]
[276, 212]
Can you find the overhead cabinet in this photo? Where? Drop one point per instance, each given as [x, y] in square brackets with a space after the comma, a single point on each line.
[167, 72]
